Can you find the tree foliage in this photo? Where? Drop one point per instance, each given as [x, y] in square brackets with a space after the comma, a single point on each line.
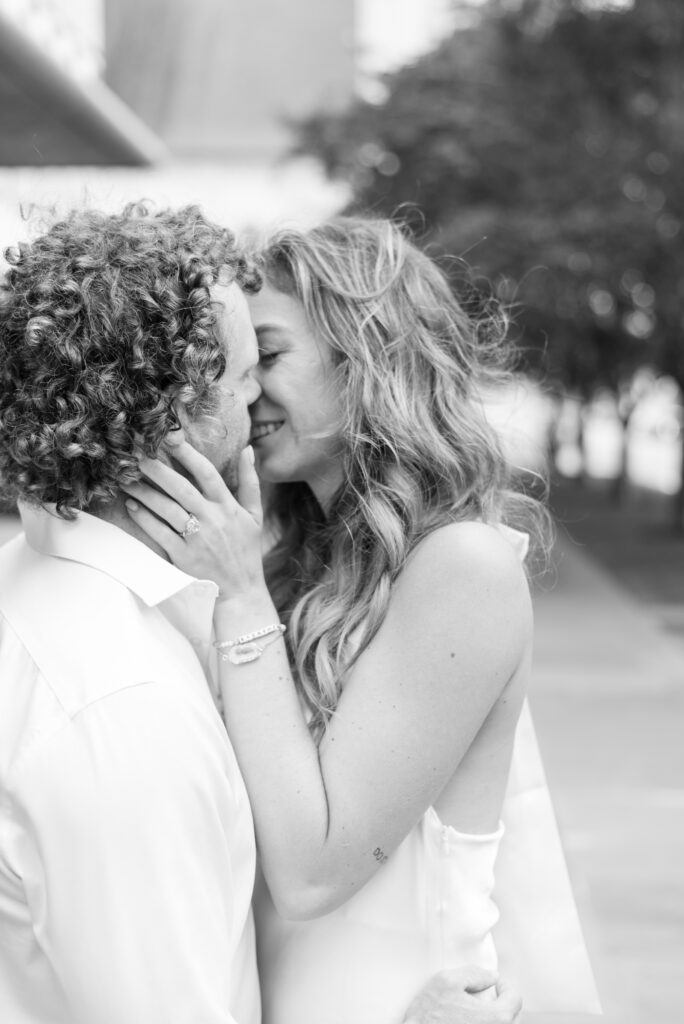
[543, 141]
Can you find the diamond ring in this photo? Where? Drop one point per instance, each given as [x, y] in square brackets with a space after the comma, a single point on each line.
[192, 526]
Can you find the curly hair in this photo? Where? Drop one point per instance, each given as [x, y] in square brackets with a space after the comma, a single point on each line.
[412, 366]
[106, 321]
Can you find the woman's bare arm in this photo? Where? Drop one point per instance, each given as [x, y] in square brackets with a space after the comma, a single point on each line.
[327, 818]
[457, 629]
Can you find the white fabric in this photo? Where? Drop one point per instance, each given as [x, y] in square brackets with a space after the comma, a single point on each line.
[539, 937]
[429, 907]
[432, 906]
[126, 841]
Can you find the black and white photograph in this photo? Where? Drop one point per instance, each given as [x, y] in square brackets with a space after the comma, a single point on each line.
[341, 511]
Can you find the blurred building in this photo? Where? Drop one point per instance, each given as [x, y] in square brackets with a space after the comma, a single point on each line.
[104, 102]
[130, 81]
[220, 78]
[55, 107]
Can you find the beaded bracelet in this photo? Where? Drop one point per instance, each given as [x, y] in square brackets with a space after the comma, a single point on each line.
[245, 648]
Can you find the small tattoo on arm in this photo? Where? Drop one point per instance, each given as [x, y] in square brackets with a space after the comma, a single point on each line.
[379, 855]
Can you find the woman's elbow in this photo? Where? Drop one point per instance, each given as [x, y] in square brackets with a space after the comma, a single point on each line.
[305, 902]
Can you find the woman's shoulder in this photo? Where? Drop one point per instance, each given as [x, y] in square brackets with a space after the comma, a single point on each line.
[463, 595]
[470, 570]
[470, 548]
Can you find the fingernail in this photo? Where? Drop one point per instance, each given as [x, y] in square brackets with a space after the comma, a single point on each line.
[131, 505]
[250, 453]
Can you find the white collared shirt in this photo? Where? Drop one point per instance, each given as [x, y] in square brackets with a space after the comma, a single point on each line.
[126, 840]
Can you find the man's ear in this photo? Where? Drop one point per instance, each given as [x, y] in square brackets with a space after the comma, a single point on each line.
[177, 435]
[181, 413]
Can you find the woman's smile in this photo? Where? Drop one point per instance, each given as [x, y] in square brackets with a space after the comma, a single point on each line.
[263, 428]
[295, 421]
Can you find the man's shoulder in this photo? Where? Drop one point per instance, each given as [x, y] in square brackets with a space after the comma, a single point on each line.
[70, 747]
[42, 593]
[86, 634]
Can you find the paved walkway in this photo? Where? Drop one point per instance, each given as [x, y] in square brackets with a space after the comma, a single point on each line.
[608, 699]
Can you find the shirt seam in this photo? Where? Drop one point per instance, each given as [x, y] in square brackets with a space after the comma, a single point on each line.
[46, 676]
[50, 731]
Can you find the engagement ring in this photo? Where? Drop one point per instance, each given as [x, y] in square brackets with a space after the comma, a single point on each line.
[192, 526]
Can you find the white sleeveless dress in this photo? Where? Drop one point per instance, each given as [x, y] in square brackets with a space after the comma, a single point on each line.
[432, 905]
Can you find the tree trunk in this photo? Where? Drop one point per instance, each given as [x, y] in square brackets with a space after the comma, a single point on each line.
[678, 504]
[678, 498]
[582, 440]
[619, 485]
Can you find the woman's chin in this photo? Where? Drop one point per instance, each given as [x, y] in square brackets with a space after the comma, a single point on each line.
[273, 471]
[268, 469]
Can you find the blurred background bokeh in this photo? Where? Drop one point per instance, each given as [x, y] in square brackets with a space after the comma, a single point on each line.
[536, 147]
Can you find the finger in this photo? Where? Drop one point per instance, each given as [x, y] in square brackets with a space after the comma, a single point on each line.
[249, 490]
[508, 999]
[159, 532]
[206, 476]
[163, 507]
[173, 484]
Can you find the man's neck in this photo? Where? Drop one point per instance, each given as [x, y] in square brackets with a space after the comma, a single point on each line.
[116, 514]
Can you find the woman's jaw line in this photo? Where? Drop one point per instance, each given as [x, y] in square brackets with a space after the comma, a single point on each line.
[323, 485]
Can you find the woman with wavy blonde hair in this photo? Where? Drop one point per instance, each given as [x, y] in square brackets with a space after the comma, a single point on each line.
[377, 735]
[411, 369]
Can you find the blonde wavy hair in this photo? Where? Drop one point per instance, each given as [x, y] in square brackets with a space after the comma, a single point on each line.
[412, 364]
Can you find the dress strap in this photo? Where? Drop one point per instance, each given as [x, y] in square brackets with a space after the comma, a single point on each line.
[519, 540]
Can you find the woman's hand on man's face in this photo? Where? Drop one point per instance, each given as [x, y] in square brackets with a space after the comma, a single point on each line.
[205, 530]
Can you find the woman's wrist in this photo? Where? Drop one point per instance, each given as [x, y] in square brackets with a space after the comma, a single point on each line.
[244, 629]
[236, 615]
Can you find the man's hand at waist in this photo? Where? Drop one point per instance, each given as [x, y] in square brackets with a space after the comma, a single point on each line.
[465, 995]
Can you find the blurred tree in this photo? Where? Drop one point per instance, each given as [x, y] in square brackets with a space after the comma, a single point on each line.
[544, 142]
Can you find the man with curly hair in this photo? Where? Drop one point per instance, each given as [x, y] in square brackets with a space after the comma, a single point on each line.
[127, 850]
[126, 840]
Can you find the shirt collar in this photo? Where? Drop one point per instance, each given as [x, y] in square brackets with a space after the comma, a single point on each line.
[92, 541]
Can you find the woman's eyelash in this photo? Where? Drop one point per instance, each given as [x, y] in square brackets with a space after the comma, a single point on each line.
[267, 357]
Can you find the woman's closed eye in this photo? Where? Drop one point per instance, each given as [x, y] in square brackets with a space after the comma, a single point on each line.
[267, 357]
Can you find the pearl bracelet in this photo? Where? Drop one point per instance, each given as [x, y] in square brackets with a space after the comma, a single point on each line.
[245, 648]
